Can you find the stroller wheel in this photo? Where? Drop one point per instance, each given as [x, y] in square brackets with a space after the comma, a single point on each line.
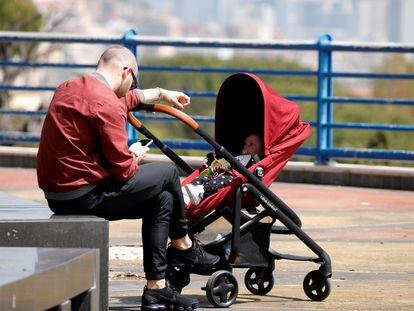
[259, 281]
[178, 278]
[316, 285]
[222, 289]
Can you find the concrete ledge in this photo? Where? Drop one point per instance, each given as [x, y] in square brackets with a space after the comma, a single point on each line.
[29, 224]
[398, 178]
[46, 278]
[18, 157]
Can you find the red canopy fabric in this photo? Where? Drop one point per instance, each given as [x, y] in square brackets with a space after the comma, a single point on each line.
[246, 105]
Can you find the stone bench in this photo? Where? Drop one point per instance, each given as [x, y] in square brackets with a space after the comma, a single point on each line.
[26, 223]
[49, 278]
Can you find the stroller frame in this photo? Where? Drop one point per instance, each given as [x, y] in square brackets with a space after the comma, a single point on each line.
[222, 287]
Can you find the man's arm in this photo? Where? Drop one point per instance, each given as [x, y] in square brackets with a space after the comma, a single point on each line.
[177, 99]
[110, 126]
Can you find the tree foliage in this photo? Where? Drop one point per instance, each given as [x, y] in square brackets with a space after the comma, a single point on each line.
[392, 114]
[290, 85]
[211, 82]
[17, 15]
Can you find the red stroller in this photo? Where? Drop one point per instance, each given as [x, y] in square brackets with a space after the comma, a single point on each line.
[246, 105]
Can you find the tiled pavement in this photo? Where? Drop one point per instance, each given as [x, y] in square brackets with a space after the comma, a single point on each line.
[368, 233]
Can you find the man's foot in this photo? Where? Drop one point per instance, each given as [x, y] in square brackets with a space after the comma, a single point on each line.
[193, 259]
[166, 299]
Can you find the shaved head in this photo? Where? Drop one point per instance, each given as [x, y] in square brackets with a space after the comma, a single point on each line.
[117, 55]
[119, 68]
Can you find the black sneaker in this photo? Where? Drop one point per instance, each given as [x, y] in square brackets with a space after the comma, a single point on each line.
[166, 299]
[194, 259]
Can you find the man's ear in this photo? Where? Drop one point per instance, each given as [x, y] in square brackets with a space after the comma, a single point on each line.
[124, 74]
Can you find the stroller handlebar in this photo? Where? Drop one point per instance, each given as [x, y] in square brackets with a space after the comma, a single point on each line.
[134, 121]
[164, 109]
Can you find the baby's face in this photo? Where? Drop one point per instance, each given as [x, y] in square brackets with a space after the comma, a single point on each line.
[252, 145]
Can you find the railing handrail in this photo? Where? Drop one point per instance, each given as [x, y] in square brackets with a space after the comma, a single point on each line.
[206, 42]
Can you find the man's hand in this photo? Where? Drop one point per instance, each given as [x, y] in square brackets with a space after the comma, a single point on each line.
[177, 99]
[139, 151]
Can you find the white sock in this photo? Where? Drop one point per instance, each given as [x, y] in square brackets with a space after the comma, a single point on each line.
[195, 193]
[185, 195]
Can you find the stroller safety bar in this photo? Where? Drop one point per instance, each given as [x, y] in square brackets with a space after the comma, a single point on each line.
[163, 147]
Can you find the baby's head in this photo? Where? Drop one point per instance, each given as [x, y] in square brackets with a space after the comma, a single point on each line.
[253, 145]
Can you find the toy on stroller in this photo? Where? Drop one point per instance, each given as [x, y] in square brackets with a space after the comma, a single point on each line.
[244, 105]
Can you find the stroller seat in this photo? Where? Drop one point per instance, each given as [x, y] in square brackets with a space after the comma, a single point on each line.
[246, 105]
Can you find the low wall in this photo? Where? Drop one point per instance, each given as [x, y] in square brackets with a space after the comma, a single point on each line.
[396, 178]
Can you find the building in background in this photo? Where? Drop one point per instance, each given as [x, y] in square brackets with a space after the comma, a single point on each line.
[344, 20]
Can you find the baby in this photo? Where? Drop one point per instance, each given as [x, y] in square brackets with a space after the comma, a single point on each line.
[218, 175]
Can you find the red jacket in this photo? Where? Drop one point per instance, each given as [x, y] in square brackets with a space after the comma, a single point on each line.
[83, 137]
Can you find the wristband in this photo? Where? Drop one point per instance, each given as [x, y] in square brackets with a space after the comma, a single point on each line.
[141, 96]
[159, 93]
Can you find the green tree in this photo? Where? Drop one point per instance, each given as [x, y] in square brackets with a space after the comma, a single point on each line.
[397, 63]
[286, 85]
[212, 81]
[378, 114]
[16, 15]
[19, 15]
[391, 114]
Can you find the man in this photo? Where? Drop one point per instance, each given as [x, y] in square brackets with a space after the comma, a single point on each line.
[84, 166]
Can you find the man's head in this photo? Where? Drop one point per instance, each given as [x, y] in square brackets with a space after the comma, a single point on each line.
[119, 66]
[253, 145]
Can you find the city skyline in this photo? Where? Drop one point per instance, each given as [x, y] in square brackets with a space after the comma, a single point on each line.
[347, 20]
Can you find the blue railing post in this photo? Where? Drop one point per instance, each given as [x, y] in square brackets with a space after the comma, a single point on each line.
[324, 109]
[132, 133]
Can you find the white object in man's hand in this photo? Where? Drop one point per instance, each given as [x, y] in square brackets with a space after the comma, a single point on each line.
[139, 151]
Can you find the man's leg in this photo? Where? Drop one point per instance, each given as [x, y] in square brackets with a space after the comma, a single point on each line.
[133, 199]
[155, 228]
[147, 195]
[184, 251]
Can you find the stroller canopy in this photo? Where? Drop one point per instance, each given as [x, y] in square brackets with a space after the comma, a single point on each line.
[246, 105]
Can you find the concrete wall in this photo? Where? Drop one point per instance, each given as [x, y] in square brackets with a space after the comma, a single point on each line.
[397, 178]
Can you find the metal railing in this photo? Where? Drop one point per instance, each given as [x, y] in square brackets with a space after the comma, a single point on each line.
[324, 150]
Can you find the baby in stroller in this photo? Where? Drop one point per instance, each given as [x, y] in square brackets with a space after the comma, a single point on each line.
[218, 173]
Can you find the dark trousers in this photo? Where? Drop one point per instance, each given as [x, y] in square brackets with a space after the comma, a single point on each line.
[153, 194]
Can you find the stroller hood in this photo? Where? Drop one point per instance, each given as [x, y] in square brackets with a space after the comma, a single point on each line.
[246, 105]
